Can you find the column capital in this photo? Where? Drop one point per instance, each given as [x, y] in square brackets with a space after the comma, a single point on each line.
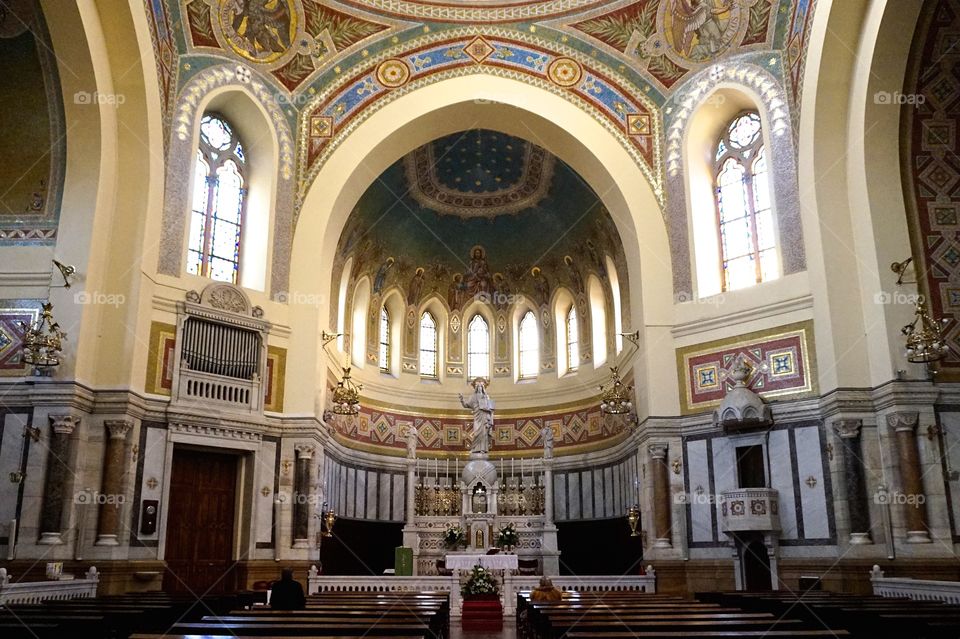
[118, 428]
[305, 451]
[847, 428]
[658, 450]
[903, 421]
[63, 424]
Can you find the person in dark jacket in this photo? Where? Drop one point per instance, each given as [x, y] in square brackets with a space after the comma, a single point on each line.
[287, 594]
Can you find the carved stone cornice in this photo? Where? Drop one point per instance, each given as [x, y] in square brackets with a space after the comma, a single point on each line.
[64, 424]
[847, 428]
[219, 432]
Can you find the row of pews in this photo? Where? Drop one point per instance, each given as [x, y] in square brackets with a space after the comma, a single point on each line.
[111, 617]
[861, 615]
[628, 615]
[371, 615]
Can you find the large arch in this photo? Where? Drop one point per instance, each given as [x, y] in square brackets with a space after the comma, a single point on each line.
[511, 106]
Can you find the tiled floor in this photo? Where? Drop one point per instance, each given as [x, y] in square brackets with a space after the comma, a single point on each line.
[509, 631]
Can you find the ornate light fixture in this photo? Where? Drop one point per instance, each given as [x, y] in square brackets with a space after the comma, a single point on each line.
[925, 342]
[615, 396]
[42, 342]
[633, 518]
[346, 395]
[329, 519]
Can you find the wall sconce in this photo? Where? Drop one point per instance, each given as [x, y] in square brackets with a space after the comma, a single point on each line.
[67, 271]
[900, 268]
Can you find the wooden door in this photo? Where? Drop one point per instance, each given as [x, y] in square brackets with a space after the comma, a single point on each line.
[199, 540]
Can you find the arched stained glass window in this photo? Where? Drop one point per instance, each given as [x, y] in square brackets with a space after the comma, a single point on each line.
[529, 342]
[573, 340]
[219, 199]
[748, 251]
[384, 351]
[429, 350]
[478, 348]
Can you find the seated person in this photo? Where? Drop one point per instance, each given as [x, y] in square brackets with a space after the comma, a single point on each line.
[287, 594]
[546, 591]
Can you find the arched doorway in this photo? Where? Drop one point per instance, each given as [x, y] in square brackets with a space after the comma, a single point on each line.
[755, 563]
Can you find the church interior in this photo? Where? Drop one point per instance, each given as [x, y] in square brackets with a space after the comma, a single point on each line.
[547, 318]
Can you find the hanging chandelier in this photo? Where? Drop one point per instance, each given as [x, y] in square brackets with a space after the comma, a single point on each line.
[615, 396]
[346, 395]
[925, 342]
[42, 342]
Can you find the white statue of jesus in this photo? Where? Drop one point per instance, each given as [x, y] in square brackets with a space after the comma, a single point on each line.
[482, 407]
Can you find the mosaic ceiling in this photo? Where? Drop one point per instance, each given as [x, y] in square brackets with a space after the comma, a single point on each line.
[331, 63]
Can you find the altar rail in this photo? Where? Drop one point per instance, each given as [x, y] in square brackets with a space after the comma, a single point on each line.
[512, 584]
[920, 589]
[31, 592]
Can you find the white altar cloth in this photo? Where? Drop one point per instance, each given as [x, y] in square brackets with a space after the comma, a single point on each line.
[466, 561]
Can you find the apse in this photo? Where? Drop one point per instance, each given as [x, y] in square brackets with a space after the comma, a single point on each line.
[480, 254]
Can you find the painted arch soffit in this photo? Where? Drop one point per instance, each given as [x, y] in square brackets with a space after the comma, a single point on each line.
[346, 102]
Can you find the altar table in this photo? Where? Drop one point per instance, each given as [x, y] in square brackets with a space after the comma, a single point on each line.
[466, 561]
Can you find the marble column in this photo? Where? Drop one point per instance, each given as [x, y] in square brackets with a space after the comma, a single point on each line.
[411, 486]
[58, 459]
[912, 498]
[301, 496]
[661, 496]
[548, 492]
[855, 484]
[111, 493]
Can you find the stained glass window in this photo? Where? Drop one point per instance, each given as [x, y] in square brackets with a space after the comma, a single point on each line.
[748, 250]
[219, 198]
[428, 346]
[478, 348]
[529, 340]
[573, 340]
[384, 353]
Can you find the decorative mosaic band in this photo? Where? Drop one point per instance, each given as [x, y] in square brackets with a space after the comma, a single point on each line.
[631, 115]
[781, 359]
[381, 431]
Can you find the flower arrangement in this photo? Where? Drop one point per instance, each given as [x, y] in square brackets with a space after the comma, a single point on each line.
[454, 537]
[507, 536]
[481, 582]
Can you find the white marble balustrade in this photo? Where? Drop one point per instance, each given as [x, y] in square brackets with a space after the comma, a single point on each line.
[30, 592]
[919, 589]
[510, 585]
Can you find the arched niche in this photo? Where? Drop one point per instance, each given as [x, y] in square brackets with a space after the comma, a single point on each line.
[616, 297]
[438, 309]
[513, 107]
[697, 112]
[598, 320]
[704, 130]
[483, 309]
[342, 292]
[392, 301]
[243, 100]
[359, 309]
[517, 315]
[563, 301]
